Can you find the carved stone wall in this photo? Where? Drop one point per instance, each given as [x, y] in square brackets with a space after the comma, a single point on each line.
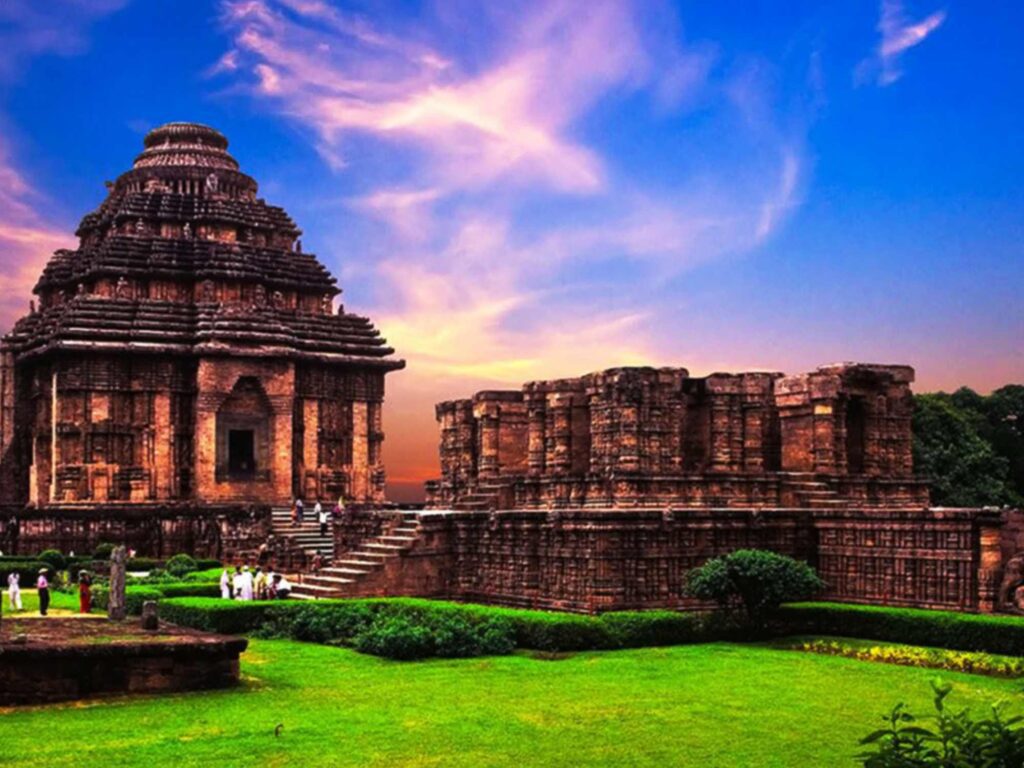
[648, 437]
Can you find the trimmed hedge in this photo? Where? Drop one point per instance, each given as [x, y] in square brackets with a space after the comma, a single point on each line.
[455, 628]
[912, 626]
[137, 594]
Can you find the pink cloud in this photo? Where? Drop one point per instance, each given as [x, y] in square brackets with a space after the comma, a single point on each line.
[897, 34]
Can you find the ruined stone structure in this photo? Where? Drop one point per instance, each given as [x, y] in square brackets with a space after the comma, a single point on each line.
[651, 437]
[601, 492]
[186, 359]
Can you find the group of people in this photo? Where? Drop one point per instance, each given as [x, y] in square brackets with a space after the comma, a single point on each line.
[43, 591]
[245, 584]
[319, 511]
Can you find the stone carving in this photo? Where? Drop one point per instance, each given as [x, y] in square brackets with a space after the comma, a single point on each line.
[140, 227]
[277, 300]
[260, 296]
[186, 231]
[326, 303]
[1013, 580]
[80, 289]
[212, 184]
[207, 292]
[150, 617]
[121, 288]
[116, 608]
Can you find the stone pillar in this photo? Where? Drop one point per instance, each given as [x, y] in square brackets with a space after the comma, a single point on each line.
[535, 441]
[825, 436]
[559, 454]
[721, 444]
[163, 447]
[116, 608]
[360, 451]
[488, 424]
[309, 462]
[989, 563]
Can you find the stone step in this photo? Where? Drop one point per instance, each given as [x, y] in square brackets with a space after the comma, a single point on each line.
[346, 572]
[374, 546]
[316, 581]
[394, 539]
[363, 554]
[353, 563]
[320, 589]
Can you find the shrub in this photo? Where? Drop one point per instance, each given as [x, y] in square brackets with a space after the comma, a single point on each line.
[971, 662]
[134, 597]
[53, 558]
[103, 551]
[760, 580]
[189, 589]
[229, 617]
[179, 565]
[913, 626]
[956, 740]
[141, 564]
[206, 574]
[396, 637]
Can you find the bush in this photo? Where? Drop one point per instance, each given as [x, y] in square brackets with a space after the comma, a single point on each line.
[913, 626]
[103, 551]
[54, 559]
[179, 565]
[229, 617]
[970, 662]
[956, 740]
[134, 597]
[189, 589]
[396, 637]
[141, 564]
[758, 579]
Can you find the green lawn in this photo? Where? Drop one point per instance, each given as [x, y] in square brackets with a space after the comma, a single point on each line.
[60, 604]
[709, 705]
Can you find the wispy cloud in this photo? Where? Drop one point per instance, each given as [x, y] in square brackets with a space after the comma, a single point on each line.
[494, 223]
[897, 34]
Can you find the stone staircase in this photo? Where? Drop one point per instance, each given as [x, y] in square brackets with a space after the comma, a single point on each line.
[357, 572]
[815, 493]
[483, 497]
[306, 536]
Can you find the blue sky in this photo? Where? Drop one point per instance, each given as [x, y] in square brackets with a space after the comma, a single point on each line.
[528, 190]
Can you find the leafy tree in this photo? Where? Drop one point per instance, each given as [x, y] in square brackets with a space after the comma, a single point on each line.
[759, 580]
[180, 565]
[949, 449]
[1005, 412]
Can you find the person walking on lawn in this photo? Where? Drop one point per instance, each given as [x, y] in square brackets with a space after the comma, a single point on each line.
[43, 586]
[14, 590]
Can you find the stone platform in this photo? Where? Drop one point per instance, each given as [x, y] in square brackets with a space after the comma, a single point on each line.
[62, 659]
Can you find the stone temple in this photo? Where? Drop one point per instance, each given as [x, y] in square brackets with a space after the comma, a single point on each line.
[184, 369]
[185, 374]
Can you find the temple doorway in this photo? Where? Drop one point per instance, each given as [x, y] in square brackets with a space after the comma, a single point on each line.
[855, 423]
[244, 434]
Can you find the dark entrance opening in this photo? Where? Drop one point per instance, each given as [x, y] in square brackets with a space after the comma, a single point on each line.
[855, 419]
[241, 453]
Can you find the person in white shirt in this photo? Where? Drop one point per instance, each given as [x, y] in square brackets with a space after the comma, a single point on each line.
[283, 587]
[247, 584]
[225, 585]
[321, 517]
[236, 583]
[14, 590]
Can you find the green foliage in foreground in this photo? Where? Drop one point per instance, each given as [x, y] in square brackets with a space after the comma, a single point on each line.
[950, 739]
[696, 705]
[415, 628]
[943, 629]
[757, 579]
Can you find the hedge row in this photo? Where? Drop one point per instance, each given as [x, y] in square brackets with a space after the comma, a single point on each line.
[912, 626]
[136, 595]
[344, 621]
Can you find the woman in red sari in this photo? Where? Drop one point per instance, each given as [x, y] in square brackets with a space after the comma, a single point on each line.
[84, 592]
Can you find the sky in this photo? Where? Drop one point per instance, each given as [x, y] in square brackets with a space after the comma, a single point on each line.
[520, 190]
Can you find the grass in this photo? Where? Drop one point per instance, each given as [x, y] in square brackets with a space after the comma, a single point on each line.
[60, 604]
[703, 705]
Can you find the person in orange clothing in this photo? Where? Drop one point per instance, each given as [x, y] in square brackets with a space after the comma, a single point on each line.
[84, 592]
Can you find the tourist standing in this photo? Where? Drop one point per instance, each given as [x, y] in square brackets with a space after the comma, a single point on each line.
[260, 584]
[225, 585]
[236, 583]
[84, 592]
[321, 517]
[43, 586]
[300, 511]
[318, 561]
[14, 590]
[247, 584]
[271, 584]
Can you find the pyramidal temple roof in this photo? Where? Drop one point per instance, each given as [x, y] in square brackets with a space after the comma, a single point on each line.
[182, 256]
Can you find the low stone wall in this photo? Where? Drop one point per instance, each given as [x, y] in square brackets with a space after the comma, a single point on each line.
[224, 532]
[39, 672]
[599, 560]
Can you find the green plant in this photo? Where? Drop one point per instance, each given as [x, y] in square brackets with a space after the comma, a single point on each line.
[103, 551]
[181, 564]
[757, 579]
[53, 558]
[956, 740]
[396, 637]
[913, 626]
